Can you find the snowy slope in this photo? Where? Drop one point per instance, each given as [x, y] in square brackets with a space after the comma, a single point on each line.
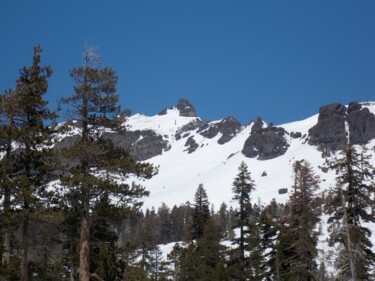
[215, 165]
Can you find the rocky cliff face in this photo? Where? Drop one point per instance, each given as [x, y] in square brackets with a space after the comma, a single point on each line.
[329, 132]
[337, 123]
[361, 124]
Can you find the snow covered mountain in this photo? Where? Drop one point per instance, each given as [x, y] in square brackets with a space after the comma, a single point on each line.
[189, 151]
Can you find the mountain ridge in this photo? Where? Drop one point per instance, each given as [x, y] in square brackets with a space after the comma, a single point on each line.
[188, 151]
[194, 155]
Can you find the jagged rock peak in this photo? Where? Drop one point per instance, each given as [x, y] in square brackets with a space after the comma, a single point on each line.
[184, 106]
[258, 124]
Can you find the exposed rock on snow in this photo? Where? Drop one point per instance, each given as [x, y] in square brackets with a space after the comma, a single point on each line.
[184, 106]
[329, 132]
[141, 145]
[266, 143]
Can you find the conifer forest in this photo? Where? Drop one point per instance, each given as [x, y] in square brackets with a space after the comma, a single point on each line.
[69, 212]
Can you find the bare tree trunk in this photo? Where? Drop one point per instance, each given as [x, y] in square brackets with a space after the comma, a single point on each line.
[72, 273]
[7, 205]
[72, 267]
[6, 254]
[350, 251]
[6, 237]
[84, 252]
[25, 246]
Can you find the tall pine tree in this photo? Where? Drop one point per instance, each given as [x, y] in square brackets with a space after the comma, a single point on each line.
[200, 214]
[96, 165]
[243, 185]
[349, 209]
[299, 259]
[27, 168]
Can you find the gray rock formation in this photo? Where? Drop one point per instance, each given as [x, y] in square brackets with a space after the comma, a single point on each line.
[329, 132]
[258, 124]
[265, 143]
[228, 127]
[185, 130]
[141, 145]
[191, 145]
[361, 124]
[184, 106]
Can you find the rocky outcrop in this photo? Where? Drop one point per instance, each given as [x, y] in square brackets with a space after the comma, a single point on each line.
[330, 131]
[191, 145]
[185, 130]
[141, 145]
[258, 124]
[184, 106]
[228, 127]
[265, 143]
[361, 124]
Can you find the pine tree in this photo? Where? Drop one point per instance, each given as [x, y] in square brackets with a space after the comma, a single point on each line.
[223, 218]
[7, 133]
[201, 213]
[255, 252]
[165, 225]
[95, 163]
[174, 259]
[268, 228]
[157, 266]
[300, 255]
[210, 253]
[348, 210]
[147, 238]
[243, 185]
[203, 259]
[28, 168]
[104, 259]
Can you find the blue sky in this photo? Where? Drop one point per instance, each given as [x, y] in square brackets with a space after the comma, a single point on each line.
[280, 60]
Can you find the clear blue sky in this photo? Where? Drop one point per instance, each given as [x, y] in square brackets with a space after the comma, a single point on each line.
[280, 60]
